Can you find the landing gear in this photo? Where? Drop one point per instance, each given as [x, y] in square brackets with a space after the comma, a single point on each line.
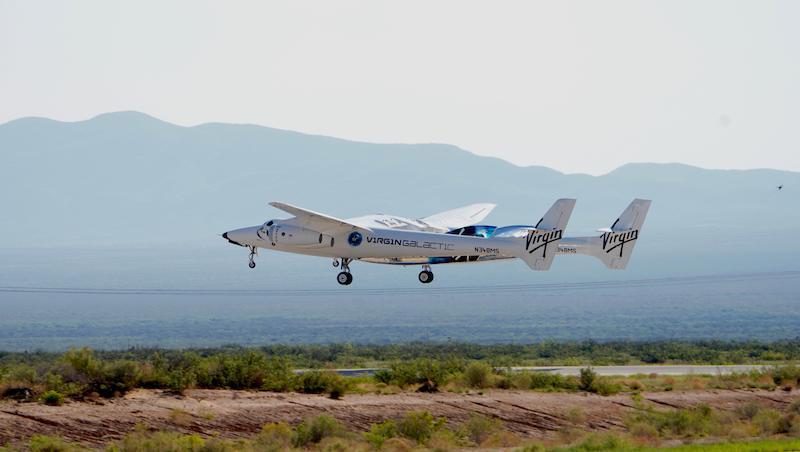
[426, 275]
[344, 278]
[253, 254]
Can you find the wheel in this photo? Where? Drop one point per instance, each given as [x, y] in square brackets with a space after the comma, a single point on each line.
[425, 276]
[252, 264]
[344, 278]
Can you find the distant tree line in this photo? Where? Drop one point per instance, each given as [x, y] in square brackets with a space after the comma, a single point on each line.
[498, 355]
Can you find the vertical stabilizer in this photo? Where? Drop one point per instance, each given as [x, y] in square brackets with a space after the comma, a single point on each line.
[541, 242]
[615, 246]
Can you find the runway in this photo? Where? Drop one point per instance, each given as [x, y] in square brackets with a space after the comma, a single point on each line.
[646, 370]
[605, 370]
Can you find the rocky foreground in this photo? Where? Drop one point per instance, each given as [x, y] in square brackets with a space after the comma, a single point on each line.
[233, 414]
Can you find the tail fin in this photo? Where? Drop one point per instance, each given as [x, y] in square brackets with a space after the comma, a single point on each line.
[541, 242]
[616, 244]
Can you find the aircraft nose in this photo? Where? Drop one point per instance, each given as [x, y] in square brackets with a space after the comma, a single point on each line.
[230, 240]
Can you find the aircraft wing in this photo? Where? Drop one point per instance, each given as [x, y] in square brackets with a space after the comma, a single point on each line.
[320, 222]
[458, 218]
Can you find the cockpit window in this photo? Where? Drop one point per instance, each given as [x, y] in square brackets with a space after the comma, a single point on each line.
[270, 223]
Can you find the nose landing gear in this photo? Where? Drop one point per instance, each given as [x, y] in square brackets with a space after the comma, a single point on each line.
[344, 277]
[426, 275]
[253, 254]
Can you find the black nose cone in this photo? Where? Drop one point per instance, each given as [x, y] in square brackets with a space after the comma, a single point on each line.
[225, 236]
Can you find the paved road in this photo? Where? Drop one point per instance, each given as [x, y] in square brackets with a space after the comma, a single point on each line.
[606, 370]
[633, 370]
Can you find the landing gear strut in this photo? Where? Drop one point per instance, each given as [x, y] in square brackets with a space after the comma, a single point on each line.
[253, 254]
[426, 275]
[344, 278]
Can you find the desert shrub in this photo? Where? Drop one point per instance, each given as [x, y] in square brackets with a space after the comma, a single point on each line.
[784, 374]
[180, 379]
[419, 425]
[384, 376]
[606, 441]
[52, 398]
[42, 443]
[443, 440]
[550, 382]
[342, 444]
[516, 380]
[576, 415]
[274, 437]
[587, 378]
[787, 423]
[478, 375]
[141, 440]
[430, 374]
[338, 388]
[398, 445]
[635, 385]
[748, 410]
[116, 377]
[318, 382]
[767, 421]
[535, 447]
[604, 386]
[379, 433]
[106, 378]
[312, 431]
[695, 421]
[314, 382]
[479, 428]
[180, 417]
[643, 431]
[503, 382]
[501, 440]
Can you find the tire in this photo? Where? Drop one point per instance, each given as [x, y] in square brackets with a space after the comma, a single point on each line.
[344, 278]
[425, 277]
[251, 264]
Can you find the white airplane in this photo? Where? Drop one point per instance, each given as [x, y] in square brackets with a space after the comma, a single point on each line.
[448, 237]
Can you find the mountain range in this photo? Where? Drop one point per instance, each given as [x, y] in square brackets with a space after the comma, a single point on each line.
[130, 181]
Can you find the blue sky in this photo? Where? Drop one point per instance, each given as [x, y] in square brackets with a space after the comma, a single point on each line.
[580, 86]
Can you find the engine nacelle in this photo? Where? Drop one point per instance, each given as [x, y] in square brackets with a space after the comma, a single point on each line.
[296, 236]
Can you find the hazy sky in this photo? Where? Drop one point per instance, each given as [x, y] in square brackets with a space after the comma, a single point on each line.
[580, 86]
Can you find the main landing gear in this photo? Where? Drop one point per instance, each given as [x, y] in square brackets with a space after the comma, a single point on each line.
[253, 254]
[426, 275]
[344, 277]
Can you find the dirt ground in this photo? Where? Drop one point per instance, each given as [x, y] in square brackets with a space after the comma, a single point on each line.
[242, 413]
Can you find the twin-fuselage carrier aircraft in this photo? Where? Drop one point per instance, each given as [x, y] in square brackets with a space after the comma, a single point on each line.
[445, 238]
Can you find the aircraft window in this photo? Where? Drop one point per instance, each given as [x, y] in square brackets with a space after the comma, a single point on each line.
[270, 223]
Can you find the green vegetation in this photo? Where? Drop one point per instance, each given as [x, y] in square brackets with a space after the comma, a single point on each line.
[52, 398]
[497, 355]
[82, 373]
[421, 431]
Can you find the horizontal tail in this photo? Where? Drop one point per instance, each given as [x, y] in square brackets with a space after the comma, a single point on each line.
[615, 246]
[541, 242]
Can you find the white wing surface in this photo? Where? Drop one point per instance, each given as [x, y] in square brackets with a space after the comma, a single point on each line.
[458, 218]
[316, 221]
